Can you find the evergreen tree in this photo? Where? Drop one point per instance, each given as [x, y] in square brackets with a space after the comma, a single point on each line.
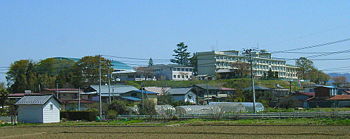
[150, 62]
[181, 55]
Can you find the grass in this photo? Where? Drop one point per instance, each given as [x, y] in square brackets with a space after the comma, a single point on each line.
[306, 110]
[231, 83]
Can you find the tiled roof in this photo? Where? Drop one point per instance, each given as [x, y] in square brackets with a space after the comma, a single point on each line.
[27, 100]
[340, 97]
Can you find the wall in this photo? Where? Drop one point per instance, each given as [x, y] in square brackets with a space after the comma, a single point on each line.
[51, 115]
[30, 114]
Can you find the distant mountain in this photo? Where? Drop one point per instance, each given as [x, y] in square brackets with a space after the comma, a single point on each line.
[347, 75]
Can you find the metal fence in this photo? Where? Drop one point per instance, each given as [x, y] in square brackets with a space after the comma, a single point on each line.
[272, 115]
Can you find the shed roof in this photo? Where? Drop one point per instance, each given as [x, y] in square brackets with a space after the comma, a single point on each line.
[36, 100]
[178, 91]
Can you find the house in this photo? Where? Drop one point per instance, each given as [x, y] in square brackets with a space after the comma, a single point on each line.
[273, 95]
[39, 109]
[139, 95]
[322, 96]
[182, 94]
[71, 98]
[207, 93]
[297, 99]
[113, 91]
[173, 72]
[340, 101]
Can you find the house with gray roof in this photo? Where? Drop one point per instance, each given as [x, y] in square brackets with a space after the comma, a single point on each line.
[182, 94]
[106, 91]
[39, 109]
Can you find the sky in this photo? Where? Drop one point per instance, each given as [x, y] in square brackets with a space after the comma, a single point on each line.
[41, 29]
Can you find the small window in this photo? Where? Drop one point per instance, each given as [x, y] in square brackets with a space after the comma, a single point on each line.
[178, 76]
[174, 76]
[51, 107]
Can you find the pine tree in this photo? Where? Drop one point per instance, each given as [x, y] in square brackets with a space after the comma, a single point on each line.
[150, 62]
[181, 55]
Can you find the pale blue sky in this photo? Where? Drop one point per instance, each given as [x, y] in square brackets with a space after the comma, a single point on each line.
[74, 28]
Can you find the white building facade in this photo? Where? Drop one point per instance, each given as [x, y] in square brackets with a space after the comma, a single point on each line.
[212, 62]
[173, 72]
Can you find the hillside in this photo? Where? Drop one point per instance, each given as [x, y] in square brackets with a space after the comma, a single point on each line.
[230, 83]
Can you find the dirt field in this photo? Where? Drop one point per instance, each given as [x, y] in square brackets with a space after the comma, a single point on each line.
[177, 132]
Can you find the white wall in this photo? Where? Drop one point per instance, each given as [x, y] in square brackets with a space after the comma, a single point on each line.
[30, 114]
[51, 115]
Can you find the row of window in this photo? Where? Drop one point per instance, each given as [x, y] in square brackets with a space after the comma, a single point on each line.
[245, 59]
[182, 69]
[181, 76]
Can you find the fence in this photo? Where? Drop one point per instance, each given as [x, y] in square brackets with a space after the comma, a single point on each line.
[8, 119]
[274, 115]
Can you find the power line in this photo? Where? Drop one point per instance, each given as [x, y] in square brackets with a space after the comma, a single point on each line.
[314, 46]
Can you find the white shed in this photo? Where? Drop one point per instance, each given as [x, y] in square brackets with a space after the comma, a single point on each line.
[39, 109]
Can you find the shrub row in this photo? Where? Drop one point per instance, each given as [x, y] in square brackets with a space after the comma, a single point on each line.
[79, 115]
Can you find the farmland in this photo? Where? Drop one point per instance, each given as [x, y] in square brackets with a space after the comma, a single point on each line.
[195, 128]
[177, 132]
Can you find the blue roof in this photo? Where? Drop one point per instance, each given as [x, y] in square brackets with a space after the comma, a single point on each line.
[131, 98]
[145, 92]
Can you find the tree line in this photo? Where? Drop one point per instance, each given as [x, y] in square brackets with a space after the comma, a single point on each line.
[56, 72]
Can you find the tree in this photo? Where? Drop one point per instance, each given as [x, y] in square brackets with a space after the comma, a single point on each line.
[194, 63]
[339, 81]
[241, 69]
[270, 74]
[165, 99]
[181, 55]
[148, 108]
[22, 76]
[305, 66]
[3, 94]
[119, 106]
[150, 62]
[86, 70]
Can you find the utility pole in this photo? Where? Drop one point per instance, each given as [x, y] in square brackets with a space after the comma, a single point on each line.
[250, 51]
[57, 90]
[109, 86]
[99, 86]
[79, 99]
[290, 86]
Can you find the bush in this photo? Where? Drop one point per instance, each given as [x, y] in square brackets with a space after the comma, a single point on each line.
[119, 106]
[147, 108]
[111, 114]
[79, 115]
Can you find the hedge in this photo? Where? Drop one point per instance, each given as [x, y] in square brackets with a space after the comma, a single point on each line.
[79, 115]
